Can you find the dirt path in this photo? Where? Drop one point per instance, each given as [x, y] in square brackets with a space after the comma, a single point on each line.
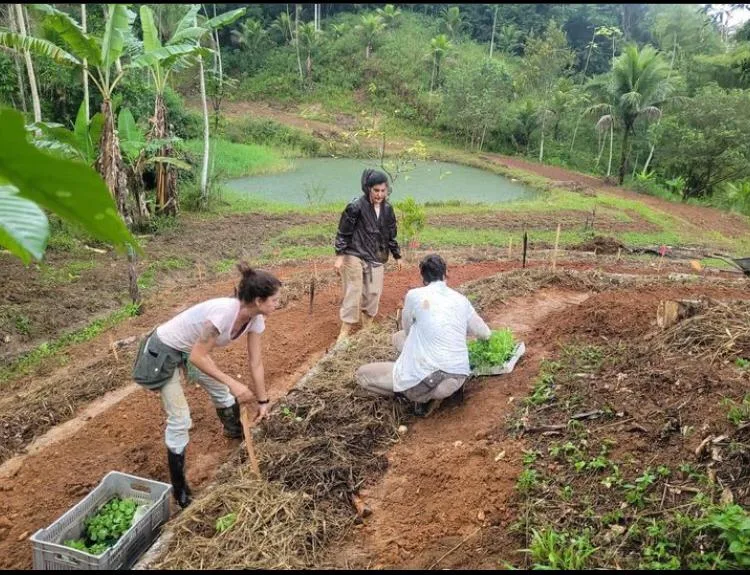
[449, 479]
[128, 435]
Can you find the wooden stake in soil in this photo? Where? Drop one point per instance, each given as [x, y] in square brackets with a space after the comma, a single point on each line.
[247, 430]
[135, 295]
[619, 250]
[510, 247]
[525, 243]
[312, 286]
[554, 253]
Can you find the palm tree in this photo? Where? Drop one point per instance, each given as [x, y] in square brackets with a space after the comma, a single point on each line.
[338, 30]
[283, 25]
[494, 29]
[509, 38]
[161, 61]
[543, 113]
[452, 21]
[250, 34]
[389, 14]
[102, 55]
[207, 27]
[640, 85]
[308, 38]
[606, 122]
[439, 46]
[371, 27]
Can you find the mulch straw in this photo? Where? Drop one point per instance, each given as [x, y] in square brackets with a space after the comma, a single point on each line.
[487, 292]
[327, 436]
[719, 332]
[316, 449]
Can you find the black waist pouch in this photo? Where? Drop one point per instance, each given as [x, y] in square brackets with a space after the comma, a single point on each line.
[155, 362]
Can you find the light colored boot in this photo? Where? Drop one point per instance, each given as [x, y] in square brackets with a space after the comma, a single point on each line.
[366, 320]
[344, 333]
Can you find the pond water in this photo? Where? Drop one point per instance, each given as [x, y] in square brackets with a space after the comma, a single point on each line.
[336, 180]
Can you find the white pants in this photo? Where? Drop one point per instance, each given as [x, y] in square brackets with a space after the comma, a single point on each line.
[176, 407]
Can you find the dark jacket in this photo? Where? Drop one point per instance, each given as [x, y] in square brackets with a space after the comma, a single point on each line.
[366, 236]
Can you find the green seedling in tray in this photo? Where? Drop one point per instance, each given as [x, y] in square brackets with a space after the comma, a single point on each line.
[104, 528]
[492, 352]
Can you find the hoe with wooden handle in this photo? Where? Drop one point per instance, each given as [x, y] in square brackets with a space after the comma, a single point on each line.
[247, 430]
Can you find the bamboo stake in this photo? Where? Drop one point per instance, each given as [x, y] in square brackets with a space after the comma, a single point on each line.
[554, 254]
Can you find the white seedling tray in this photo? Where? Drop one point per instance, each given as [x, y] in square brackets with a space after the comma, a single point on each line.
[506, 367]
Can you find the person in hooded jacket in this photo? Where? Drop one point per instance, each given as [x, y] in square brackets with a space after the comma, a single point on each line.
[366, 236]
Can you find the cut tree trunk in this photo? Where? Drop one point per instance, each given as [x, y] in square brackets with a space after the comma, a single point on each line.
[670, 312]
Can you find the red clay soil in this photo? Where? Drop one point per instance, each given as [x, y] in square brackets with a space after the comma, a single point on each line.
[450, 479]
[128, 436]
[446, 497]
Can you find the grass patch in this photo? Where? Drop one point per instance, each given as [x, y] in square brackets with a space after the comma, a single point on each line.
[28, 361]
[716, 263]
[235, 160]
[292, 253]
[147, 279]
[65, 274]
[228, 201]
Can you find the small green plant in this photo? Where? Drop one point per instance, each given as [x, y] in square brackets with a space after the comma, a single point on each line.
[23, 324]
[733, 524]
[742, 363]
[492, 352]
[738, 412]
[412, 220]
[106, 526]
[530, 456]
[566, 493]
[551, 549]
[225, 265]
[543, 388]
[635, 492]
[225, 522]
[528, 479]
[614, 479]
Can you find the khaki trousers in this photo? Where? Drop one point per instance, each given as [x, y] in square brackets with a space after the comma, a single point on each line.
[361, 289]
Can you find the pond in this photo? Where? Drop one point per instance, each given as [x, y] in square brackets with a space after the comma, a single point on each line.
[336, 180]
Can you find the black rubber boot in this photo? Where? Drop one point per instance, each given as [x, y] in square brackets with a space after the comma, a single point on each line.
[181, 491]
[230, 417]
[426, 409]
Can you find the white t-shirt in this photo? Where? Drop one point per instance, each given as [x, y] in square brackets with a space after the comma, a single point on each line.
[183, 330]
[437, 320]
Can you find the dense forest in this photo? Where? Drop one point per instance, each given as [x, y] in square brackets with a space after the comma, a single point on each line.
[652, 96]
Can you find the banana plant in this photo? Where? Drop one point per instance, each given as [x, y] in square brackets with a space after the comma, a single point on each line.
[31, 179]
[105, 70]
[178, 53]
